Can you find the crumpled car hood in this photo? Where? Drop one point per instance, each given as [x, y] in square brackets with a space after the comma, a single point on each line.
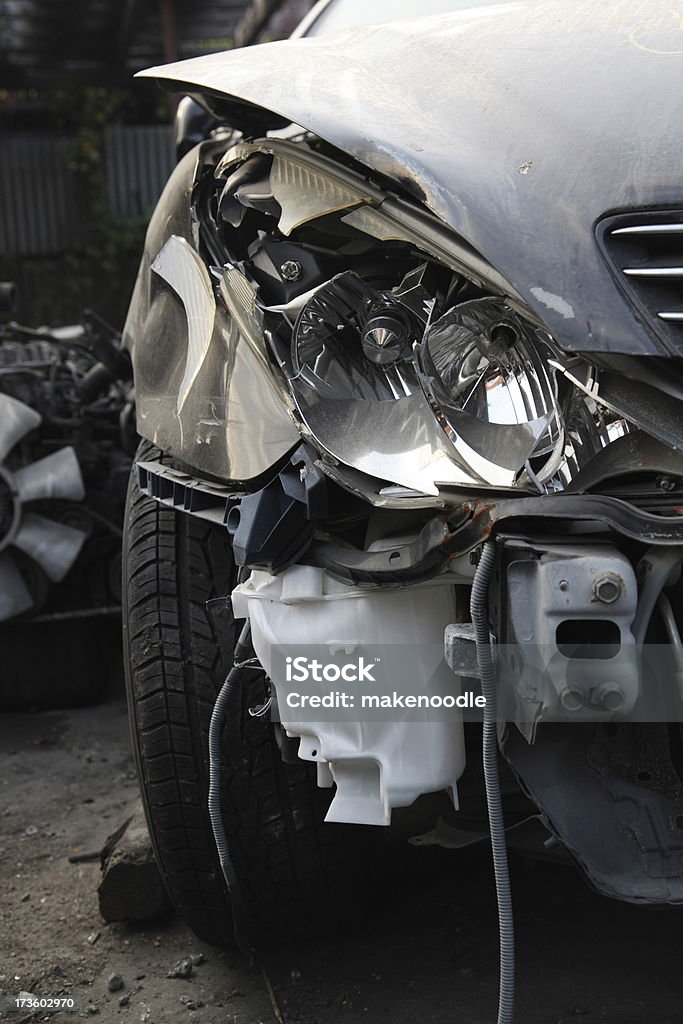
[519, 125]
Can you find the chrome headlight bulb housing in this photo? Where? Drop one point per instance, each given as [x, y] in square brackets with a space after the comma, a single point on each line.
[485, 370]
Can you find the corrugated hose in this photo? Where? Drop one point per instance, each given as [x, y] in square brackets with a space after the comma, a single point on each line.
[480, 617]
[243, 657]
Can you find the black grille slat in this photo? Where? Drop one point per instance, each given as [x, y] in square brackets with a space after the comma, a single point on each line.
[645, 253]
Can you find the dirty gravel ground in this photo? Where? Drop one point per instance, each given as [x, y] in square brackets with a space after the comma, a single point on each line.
[427, 953]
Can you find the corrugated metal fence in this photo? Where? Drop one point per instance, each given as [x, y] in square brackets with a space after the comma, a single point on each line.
[37, 195]
[40, 212]
[139, 160]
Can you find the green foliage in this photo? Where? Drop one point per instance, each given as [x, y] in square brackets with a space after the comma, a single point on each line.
[106, 265]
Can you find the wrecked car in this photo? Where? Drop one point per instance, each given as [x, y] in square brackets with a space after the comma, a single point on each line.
[407, 346]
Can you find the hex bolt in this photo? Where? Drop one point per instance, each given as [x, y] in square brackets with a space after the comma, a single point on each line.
[607, 588]
[571, 699]
[291, 270]
[666, 483]
[609, 696]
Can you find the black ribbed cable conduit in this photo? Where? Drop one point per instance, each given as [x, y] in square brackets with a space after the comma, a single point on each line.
[242, 657]
[479, 610]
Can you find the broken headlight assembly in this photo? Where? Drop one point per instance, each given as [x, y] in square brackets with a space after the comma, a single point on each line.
[403, 358]
[474, 386]
[410, 363]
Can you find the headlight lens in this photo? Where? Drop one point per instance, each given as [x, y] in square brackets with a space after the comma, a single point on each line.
[486, 371]
[334, 348]
[370, 415]
[471, 399]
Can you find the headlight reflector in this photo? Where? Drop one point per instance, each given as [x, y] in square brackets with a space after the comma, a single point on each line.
[486, 372]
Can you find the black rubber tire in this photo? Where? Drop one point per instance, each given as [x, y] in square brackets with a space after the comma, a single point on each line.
[296, 873]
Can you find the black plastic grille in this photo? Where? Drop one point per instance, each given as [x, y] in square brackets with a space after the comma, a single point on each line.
[645, 253]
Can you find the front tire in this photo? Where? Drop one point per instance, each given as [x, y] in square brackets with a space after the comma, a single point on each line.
[294, 870]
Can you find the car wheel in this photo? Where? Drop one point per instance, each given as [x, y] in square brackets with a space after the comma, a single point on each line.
[295, 872]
